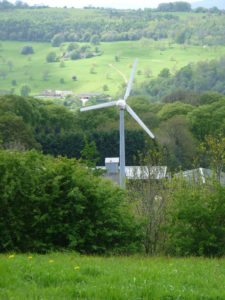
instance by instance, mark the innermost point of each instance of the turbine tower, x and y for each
(121, 103)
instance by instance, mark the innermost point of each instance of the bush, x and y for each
(196, 223)
(27, 50)
(51, 57)
(55, 203)
(75, 55)
(57, 40)
(25, 90)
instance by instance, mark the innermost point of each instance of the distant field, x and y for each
(152, 56)
(69, 276)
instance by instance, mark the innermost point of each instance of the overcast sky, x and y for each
(103, 3)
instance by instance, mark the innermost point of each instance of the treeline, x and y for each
(27, 123)
(175, 7)
(73, 25)
(187, 82)
(5, 5)
(180, 127)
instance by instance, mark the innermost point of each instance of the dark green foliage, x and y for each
(208, 119)
(27, 50)
(58, 131)
(15, 134)
(95, 40)
(198, 78)
(72, 46)
(51, 57)
(57, 40)
(179, 6)
(48, 204)
(196, 223)
(75, 55)
(25, 90)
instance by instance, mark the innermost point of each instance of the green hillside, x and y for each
(33, 70)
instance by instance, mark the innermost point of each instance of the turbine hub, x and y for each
(121, 104)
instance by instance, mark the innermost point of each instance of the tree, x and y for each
(51, 57)
(148, 197)
(27, 50)
(105, 88)
(148, 72)
(164, 73)
(57, 40)
(16, 134)
(75, 55)
(62, 64)
(25, 90)
(117, 59)
(14, 82)
(95, 40)
(72, 46)
(213, 148)
(179, 145)
(89, 154)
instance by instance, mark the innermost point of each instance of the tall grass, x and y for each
(71, 276)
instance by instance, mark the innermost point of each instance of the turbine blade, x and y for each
(129, 85)
(98, 106)
(135, 116)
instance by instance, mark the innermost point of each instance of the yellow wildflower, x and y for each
(30, 257)
(77, 268)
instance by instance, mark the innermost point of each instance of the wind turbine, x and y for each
(121, 103)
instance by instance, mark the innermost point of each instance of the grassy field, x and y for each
(152, 56)
(70, 276)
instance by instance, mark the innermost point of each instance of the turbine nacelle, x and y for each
(121, 104)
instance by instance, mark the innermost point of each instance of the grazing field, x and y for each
(70, 276)
(17, 70)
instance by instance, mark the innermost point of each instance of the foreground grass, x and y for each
(69, 276)
(152, 55)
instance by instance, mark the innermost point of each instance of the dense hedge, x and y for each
(55, 203)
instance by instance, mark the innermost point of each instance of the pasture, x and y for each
(71, 276)
(17, 70)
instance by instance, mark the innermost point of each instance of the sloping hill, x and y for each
(209, 3)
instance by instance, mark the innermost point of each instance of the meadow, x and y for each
(72, 276)
(153, 56)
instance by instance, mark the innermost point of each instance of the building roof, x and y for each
(141, 172)
(200, 174)
(146, 172)
(109, 160)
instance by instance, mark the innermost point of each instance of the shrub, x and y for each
(75, 55)
(51, 57)
(56, 203)
(27, 50)
(196, 222)
(57, 40)
(25, 90)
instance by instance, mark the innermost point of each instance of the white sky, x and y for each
(103, 3)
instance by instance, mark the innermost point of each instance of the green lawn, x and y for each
(152, 55)
(70, 276)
